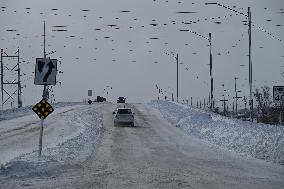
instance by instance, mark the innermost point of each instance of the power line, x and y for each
(246, 15)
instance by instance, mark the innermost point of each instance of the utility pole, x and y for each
(280, 114)
(224, 104)
(250, 66)
(177, 75)
(2, 94)
(250, 61)
(209, 105)
(236, 97)
(245, 102)
(204, 103)
(211, 77)
(190, 101)
(227, 111)
(19, 82)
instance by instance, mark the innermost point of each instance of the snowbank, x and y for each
(258, 140)
(71, 134)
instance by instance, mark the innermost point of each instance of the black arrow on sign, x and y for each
(50, 67)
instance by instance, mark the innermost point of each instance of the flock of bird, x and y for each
(101, 33)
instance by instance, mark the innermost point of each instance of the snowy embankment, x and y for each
(257, 140)
(71, 133)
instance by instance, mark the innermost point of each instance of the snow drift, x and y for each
(71, 134)
(258, 140)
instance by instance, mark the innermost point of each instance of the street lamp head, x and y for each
(210, 3)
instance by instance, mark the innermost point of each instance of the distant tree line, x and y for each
(265, 111)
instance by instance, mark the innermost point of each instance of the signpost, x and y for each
(90, 93)
(42, 109)
(278, 98)
(45, 74)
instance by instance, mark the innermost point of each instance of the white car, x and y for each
(124, 116)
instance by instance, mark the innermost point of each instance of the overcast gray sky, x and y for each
(129, 60)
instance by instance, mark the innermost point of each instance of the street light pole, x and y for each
(211, 66)
(211, 78)
(177, 75)
(250, 66)
(236, 98)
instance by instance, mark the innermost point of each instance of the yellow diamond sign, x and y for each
(43, 112)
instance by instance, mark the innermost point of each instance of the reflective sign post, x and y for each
(280, 116)
(45, 74)
(40, 138)
(41, 126)
(42, 109)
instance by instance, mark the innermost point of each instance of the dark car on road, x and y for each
(121, 100)
(124, 116)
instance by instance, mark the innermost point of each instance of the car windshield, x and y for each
(124, 111)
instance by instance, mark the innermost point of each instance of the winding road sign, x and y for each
(45, 71)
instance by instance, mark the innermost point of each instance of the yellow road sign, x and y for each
(43, 109)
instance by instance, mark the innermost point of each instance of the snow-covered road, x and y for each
(153, 154)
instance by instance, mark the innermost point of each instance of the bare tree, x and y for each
(264, 101)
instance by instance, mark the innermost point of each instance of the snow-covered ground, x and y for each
(68, 134)
(83, 149)
(257, 140)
